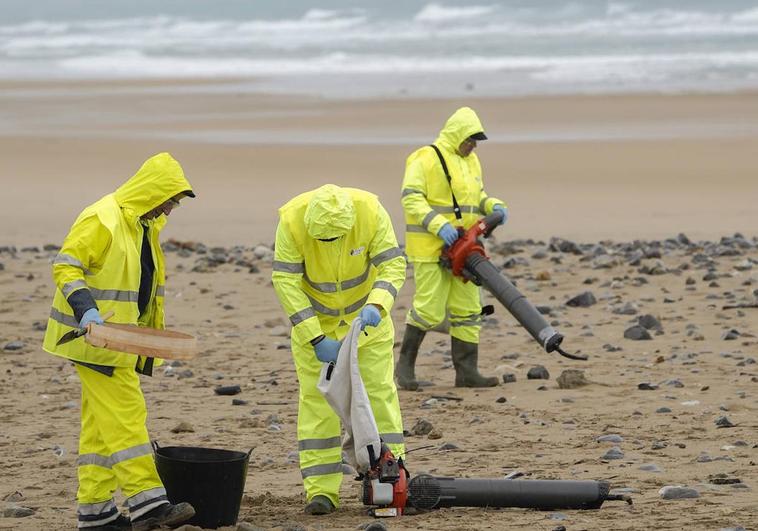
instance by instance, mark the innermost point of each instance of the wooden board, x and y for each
(143, 341)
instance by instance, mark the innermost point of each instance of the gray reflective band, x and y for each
(416, 317)
(89, 509)
(356, 305)
(466, 209)
(428, 218)
(118, 457)
(383, 284)
(319, 444)
(72, 286)
(62, 318)
(483, 205)
(67, 259)
(160, 291)
(302, 315)
(415, 228)
(468, 322)
(409, 191)
(320, 308)
(324, 287)
(392, 438)
(389, 254)
(288, 267)
(321, 470)
(477, 315)
(114, 295)
(357, 281)
(146, 496)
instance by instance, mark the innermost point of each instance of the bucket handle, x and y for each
(155, 446)
(248, 454)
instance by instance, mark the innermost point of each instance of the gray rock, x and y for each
(538, 372)
(611, 437)
(704, 458)
(628, 308)
(651, 467)
(659, 445)
(583, 300)
(677, 492)
(613, 453)
(449, 446)
(637, 333)
(663, 409)
(422, 427)
(572, 379)
(647, 386)
(649, 322)
(14, 345)
(509, 377)
(16, 511)
(724, 422)
(730, 335)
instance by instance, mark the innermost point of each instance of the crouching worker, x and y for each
(337, 258)
(111, 260)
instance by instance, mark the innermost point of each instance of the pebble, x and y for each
(583, 300)
(677, 492)
(449, 446)
(647, 386)
(724, 422)
(625, 309)
(730, 335)
(571, 379)
(538, 372)
(14, 345)
(239, 402)
(501, 400)
(611, 437)
(649, 322)
(651, 467)
(228, 390)
(16, 511)
(509, 377)
(663, 409)
(659, 445)
(613, 453)
(183, 427)
(422, 427)
(637, 333)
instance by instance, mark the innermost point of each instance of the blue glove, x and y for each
(370, 316)
(327, 350)
(504, 210)
(448, 234)
(90, 316)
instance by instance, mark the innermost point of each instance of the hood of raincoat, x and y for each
(462, 124)
(330, 213)
(159, 179)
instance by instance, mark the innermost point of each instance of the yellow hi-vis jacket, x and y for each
(102, 253)
(426, 195)
(323, 285)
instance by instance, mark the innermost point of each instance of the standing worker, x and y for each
(337, 258)
(442, 192)
(111, 260)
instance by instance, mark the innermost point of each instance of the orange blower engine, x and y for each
(466, 258)
(385, 486)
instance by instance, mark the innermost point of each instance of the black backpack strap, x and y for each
(456, 208)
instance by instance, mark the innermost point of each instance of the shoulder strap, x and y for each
(456, 208)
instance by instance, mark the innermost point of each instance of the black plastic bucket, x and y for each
(210, 479)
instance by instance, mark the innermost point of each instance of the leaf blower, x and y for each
(467, 259)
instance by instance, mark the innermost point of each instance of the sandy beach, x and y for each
(600, 171)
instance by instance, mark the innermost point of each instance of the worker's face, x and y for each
(466, 147)
(164, 208)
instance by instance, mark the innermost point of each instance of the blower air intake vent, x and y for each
(424, 492)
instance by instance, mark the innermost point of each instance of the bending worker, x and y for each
(111, 260)
(337, 258)
(442, 193)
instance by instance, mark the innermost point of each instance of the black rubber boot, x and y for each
(465, 360)
(405, 370)
(164, 515)
(319, 505)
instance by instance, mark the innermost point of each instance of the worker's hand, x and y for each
(370, 316)
(448, 234)
(327, 350)
(90, 316)
(504, 210)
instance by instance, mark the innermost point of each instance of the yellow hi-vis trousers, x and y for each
(114, 448)
(440, 294)
(318, 426)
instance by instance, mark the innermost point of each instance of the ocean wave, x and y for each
(439, 13)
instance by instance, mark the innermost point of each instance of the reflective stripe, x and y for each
(383, 284)
(321, 470)
(319, 444)
(415, 228)
(67, 259)
(416, 317)
(428, 218)
(389, 254)
(62, 318)
(114, 295)
(392, 438)
(331, 287)
(409, 191)
(357, 281)
(320, 308)
(69, 287)
(116, 458)
(95, 508)
(288, 267)
(466, 209)
(302, 315)
(160, 291)
(356, 305)
(482, 205)
(468, 322)
(107, 514)
(146, 501)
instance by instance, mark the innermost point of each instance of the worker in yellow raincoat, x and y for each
(443, 192)
(337, 258)
(111, 260)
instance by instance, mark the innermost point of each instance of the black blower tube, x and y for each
(514, 301)
(429, 492)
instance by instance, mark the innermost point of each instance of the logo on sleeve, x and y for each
(357, 251)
